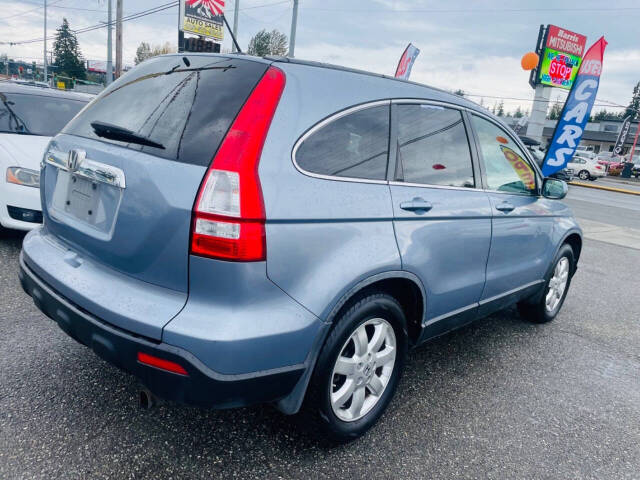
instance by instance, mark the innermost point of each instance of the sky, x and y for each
(474, 45)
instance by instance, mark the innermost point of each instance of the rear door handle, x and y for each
(505, 207)
(416, 205)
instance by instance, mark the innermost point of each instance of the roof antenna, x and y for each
(235, 42)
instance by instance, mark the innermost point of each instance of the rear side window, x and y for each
(355, 146)
(433, 147)
(186, 109)
(36, 114)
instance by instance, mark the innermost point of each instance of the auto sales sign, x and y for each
(203, 17)
(576, 111)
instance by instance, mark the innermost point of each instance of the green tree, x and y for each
(518, 113)
(459, 92)
(555, 111)
(500, 111)
(142, 53)
(66, 52)
(268, 43)
(634, 105)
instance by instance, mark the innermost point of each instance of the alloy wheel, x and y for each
(557, 284)
(363, 369)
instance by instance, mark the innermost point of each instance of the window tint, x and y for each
(187, 109)
(356, 145)
(433, 147)
(505, 164)
(36, 114)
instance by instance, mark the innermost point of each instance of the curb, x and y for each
(600, 187)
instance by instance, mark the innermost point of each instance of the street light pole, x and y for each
(109, 77)
(294, 21)
(236, 8)
(45, 40)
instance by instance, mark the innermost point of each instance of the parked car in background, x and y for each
(234, 230)
(607, 159)
(31, 83)
(29, 117)
(636, 170)
(585, 169)
(583, 152)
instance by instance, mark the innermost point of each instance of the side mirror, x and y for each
(554, 189)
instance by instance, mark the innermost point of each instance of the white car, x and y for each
(588, 154)
(29, 117)
(585, 168)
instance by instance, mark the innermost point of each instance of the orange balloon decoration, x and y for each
(529, 61)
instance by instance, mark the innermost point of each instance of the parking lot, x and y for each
(501, 398)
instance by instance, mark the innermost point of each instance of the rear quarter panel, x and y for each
(323, 236)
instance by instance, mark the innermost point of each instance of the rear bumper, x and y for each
(202, 386)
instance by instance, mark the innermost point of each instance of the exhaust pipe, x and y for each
(147, 400)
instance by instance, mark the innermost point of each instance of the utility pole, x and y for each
(294, 21)
(45, 40)
(118, 38)
(109, 75)
(236, 7)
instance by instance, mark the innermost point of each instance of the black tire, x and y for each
(317, 409)
(583, 175)
(534, 309)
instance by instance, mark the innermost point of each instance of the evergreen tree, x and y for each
(634, 106)
(67, 56)
(500, 112)
(518, 113)
(268, 43)
(555, 111)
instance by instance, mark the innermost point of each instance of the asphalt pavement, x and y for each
(501, 398)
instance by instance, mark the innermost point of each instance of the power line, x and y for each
(132, 16)
(91, 28)
(475, 10)
(29, 11)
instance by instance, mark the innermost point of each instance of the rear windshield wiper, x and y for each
(113, 132)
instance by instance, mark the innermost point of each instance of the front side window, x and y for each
(355, 145)
(506, 167)
(433, 147)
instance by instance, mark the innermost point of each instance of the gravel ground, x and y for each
(501, 398)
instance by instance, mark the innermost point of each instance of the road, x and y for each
(501, 398)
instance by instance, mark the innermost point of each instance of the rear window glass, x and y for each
(356, 146)
(36, 114)
(186, 109)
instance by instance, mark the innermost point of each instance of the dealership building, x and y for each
(601, 136)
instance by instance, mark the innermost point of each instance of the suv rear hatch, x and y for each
(120, 181)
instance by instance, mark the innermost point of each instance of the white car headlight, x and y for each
(23, 176)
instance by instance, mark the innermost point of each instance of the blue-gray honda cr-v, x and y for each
(234, 230)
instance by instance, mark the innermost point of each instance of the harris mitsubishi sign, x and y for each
(560, 57)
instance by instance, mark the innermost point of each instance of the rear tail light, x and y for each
(228, 217)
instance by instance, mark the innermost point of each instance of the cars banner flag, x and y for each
(576, 110)
(406, 62)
